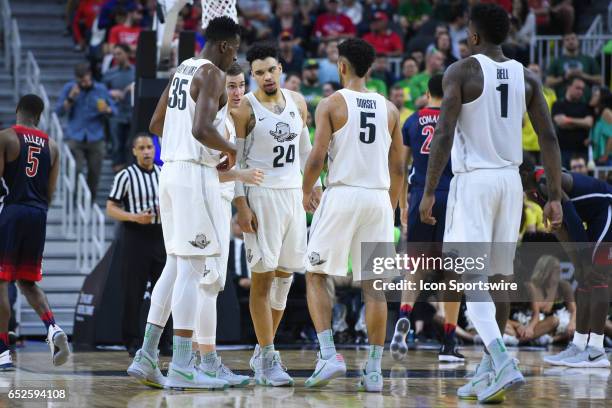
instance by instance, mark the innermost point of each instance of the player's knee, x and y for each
(26, 286)
(279, 292)
(261, 283)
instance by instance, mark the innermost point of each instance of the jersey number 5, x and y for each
(428, 132)
(178, 98)
(369, 136)
(32, 167)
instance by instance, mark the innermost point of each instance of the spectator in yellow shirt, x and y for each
(533, 218)
(530, 139)
(397, 98)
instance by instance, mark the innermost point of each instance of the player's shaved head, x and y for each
(31, 106)
(490, 22)
(359, 54)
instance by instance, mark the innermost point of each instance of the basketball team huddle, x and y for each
(223, 148)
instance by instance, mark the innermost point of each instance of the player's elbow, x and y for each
(156, 126)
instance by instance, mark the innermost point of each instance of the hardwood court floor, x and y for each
(98, 379)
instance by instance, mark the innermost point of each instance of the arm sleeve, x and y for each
(119, 188)
(240, 164)
(305, 149)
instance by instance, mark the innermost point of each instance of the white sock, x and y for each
(161, 297)
(482, 315)
(206, 317)
(580, 340)
(596, 340)
(185, 292)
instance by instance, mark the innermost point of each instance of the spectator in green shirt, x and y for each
(376, 85)
(434, 62)
(311, 89)
(414, 13)
(409, 69)
(571, 64)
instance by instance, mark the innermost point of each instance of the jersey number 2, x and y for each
(32, 167)
(280, 153)
(503, 90)
(178, 98)
(428, 132)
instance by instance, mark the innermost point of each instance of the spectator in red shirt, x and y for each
(84, 17)
(384, 41)
(127, 30)
(333, 24)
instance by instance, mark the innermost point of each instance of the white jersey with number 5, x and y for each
(178, 143)
(359, 151)
(489, 129)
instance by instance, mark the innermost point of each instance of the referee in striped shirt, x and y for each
(133, 200)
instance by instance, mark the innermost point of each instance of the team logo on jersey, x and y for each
(200, 241)
(292, 114)
(315, 259)
(283, 132)
(249, 256)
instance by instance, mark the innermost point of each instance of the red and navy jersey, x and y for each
(26, 179)
(590, 196)
(418, 132)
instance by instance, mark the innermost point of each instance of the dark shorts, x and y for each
(420, 232)
(599, 231)
(22, 241)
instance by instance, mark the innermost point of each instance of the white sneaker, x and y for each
(591, 357)
(398, 345)
(6, 362)
(255, 364)
(221, 371)
(327, 370)
(273, 371)
(190, 378)
(482, 379)
(571, 351)
(371, 382)
(58, 343)
(145, 368)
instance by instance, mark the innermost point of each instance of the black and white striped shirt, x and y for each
(137, 190)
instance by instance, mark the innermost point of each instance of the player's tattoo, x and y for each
(251, 124)
(277, 109)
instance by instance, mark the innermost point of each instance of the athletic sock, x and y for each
(208, 360)
(326, 344)
(4, 342)
(449, 332)
(405, 311)
(498, 353)
(374, 359)
(151, 339)
(580, 340)
(48, 319)
(265, 350)
(596, 340)
(181, 351)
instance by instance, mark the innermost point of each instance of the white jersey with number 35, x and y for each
(489, 129)
(178, 143)
(359, 151)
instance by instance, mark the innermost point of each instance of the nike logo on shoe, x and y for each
(188, 377)
(594, 358)
(153, 364)
(319, 370)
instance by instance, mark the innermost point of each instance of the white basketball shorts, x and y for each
(190, 206)
(346, 217)
(280, 240)
(483, 214)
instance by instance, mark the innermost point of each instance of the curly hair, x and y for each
(261, 51)
(222, 29)
(359, 54)
(491, 21)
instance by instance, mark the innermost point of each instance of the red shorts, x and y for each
(22, 241)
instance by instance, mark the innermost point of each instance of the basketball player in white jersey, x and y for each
(190, 116)
(216, 267)
(485, 97)
(271, 135)
(360, 132)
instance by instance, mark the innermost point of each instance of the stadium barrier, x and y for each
(5, 10)
(16, 51)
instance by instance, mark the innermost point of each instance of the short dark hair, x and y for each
(234, 70)
(408, 59)
(578, 156)
(121, 12)
(31, 105)
(261, 51)
(574, 78)
(434, 85)
(82, 69)
(222, 29)
(124, 47)
(359, 54)
(335, 85)
(292, 74)
(139, 135)
(491, 21)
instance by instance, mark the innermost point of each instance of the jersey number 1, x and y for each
(503, 90)
(178, 98)
(31, 169)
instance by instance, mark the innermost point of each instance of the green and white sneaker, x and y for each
(398, 346)
(481, 379)
(190, 378)
(273, 371)
(571, 351)
(222, 372)
(327, 370)
(145, 368)
(506, 378)
(371, 382)
(591, 357)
